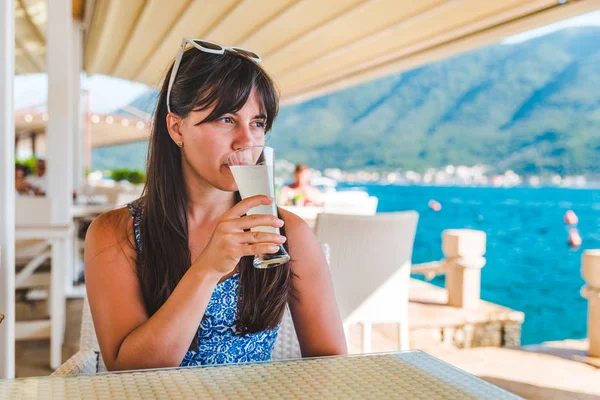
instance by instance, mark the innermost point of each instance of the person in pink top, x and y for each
(300, 192)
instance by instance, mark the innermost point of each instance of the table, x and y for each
(90, 210)
(410, 375)
(81, 213)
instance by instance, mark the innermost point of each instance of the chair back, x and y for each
(370, 263)
(87, 337)
(33, 211)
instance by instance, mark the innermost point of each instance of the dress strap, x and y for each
(135, 209)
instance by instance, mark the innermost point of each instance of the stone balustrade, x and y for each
(463, 259)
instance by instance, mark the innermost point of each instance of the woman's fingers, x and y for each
(259, 248)
(252, 221)
(259, 237)
(245, 205)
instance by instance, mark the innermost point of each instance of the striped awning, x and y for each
(311, 47)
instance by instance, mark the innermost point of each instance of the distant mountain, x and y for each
(533, 107)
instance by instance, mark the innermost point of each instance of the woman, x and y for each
(170, 279)
(22, 185)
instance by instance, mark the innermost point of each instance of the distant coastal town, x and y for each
(450, 175)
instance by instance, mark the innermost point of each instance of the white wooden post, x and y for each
(61, 77)
(7, 189)
(78, 154)
(78, 130)
(590, 270)
(463, 250)
(60, 108)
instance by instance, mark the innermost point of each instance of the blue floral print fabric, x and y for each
(218, 340)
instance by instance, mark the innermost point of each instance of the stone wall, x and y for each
(468, 335)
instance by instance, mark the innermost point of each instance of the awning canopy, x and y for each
(310, 46)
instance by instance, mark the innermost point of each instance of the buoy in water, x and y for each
(574, 238)
(571, 218)
(434, 205)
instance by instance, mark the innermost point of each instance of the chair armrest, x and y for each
(84, 362)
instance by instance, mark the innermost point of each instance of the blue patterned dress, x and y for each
(218, 342)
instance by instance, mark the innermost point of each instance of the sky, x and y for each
(106, 93)
(32, 90)
(591, 19)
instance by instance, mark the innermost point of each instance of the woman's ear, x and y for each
(174, 126)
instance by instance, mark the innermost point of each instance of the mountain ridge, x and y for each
(533, 107)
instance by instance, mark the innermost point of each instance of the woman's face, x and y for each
(206, 146)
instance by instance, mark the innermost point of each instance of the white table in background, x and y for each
(81, 212)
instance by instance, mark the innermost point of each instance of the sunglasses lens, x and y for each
(246, 53)
(208, 45)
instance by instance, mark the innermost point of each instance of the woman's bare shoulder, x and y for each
(110, 223)
(110, 230)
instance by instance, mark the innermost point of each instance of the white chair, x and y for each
(32, 253)
(38, 240)
(370, 267)
(88, 360)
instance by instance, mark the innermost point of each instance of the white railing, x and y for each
(590, 271)
(463, 259)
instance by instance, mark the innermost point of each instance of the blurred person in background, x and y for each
(38, 181)
(22, 185)
(300, 192)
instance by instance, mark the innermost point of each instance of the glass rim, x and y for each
(251, 148)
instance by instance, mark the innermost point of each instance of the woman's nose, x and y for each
(243, 137)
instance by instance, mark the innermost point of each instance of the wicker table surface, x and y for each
(410, 375)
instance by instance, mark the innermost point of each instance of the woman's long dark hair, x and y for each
(204, 80)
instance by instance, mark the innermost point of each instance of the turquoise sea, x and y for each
(530, 266)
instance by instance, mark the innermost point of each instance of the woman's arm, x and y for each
(314, 309)
(128, 338)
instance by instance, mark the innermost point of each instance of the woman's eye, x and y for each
(259, 124)
(226, 120)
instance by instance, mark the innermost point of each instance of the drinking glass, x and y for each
(252, 169)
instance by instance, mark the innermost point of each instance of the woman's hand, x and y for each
(229, 242)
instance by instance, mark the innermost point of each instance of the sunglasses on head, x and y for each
(207, 47)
